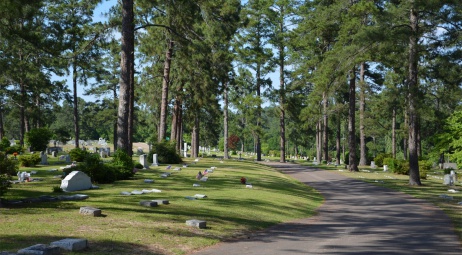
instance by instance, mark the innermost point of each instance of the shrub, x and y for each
(401, 167)
(378, 160)
(38, 138)
(424, 167)
(123, 165)
(8, 166)
(166, 153)
(4, 144)
(78, 154)
(275, 153)
(4, 184)
(57, 189)
(29, 160)
(15, 148)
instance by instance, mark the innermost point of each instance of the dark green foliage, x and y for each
(120, 169)
(402, 167)
(138, 166)
(38, 138)
(378, 160)
(424, 167)
(121, 158)
(166, 153)
(123, 164)
(275, 153)
(4, 144)
(4, 184)
(29, 160)
(15, 148)
(78, 154)
(7, 166)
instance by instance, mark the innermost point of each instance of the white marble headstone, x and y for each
(76, 180)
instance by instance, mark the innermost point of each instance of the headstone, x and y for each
(185, 150)
(154, 160)
(87, 210)
(76, 180)
(385, 168)
(102, 153)
(40, 249)
(373, 166)
(44, 159)
(148, 203)
(108, 151)
(71, 244)
(161, 201)
(68, 158)
(144, 161)
(148, 181)
(448, 179)
(200, 196)
(197, 223)
(54, 154)
(450, 166)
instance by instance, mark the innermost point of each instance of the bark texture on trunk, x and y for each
(414, 175)
(362, 109)
(393, 133)
(75, 101)
(165, 85)
(225, 120)
(126, 60)
(325, 130)
(352, 165)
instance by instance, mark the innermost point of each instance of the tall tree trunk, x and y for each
(259, 110)
(175, 118)
(319, 141)
(282, 99)
(76, 109)
(362, 108)
(393, 133)
(414, 176)
(131, 112)
(196, 131)
(22, 113)
(126, 59)
(337, 140)
(325, 127)
(2, 130)
(225, 120)
(114, 132)
(165, 85)
(351, 122)
(405, 140)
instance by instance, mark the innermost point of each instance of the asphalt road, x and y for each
(356, 218)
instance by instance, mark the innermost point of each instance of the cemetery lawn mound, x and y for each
(230, 209)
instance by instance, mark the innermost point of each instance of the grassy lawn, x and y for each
(430, 190)
(230, 209)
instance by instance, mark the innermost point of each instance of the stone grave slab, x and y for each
(154, 160)
(148, 203)
(196, 185)
(190, 198)
(40, 249)
(87, 210)
(144, 161)
(76, 180)
(204, 179)
(161, 201)
(71, 244)
(148, 181)
(200, 196)
(197, 223)
(125, 193)
(177, 169)
(137, 192)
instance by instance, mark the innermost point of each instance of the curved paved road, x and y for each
(356, 218)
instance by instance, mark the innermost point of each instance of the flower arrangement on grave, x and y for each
(15, 154)
(243, 180)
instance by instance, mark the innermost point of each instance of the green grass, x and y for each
(230, 209)
(431, 188)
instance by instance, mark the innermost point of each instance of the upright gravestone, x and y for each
(54, 154)
(68, 158)
(185, 150)
(76, 180)
(44, 159)
(144, 161)
(108, 151)
(154, 160)
(373, 166)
